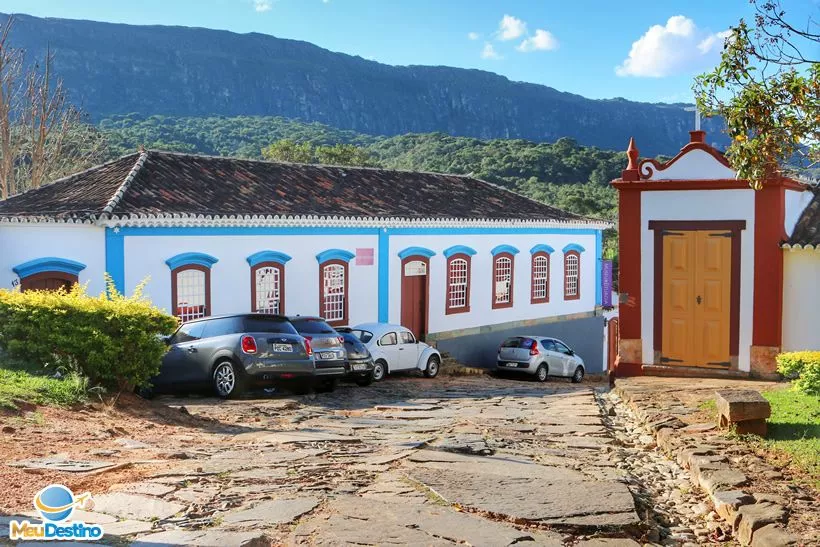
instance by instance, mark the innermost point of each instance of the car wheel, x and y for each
(541, 373)
(365, 381)
(379, 371)
(578, 376)
(433, 366)
(227, 382)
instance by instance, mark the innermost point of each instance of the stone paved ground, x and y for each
(409, 461)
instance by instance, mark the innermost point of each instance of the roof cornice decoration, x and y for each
(258, 221)
(115, 199)
(798, 247)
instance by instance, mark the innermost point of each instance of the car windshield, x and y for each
(312, 326)
(363, 335)
(518, 342)
(268, 324)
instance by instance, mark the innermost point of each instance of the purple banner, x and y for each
(606, 283)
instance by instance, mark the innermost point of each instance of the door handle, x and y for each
(698, 299)
(192, 349)
(401, 349)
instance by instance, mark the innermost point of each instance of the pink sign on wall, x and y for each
(364, 257)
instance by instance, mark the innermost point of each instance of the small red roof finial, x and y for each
(633, 154)
(631, 173)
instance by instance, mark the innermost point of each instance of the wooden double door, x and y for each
(696, 311)
(414, 290)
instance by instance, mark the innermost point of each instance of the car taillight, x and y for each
(308, 349)
(534, 348)
(248, 344)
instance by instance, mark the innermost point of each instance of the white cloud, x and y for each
(511, 28)
(473, 35)
(489, 52)
(677, 47)
(262, 5)
(543, 40)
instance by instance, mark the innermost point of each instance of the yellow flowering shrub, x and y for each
(112, 339)
(804, 366)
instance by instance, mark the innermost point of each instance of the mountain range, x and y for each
(115, 69)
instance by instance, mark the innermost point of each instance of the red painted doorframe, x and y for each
(426, 261)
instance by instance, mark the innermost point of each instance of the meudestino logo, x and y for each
(55, 504)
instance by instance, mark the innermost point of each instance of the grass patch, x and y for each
(794, 428)
(709, 405)
(41, 390)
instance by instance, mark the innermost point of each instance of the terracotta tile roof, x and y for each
(164, 183)
(807, 230)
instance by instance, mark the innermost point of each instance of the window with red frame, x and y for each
(540, 278)
(572, 275)
(503, 265)
(268, 288)
(191, 292)
(333, 288)
(458, 284)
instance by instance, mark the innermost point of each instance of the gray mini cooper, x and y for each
(233, 352)
(541, 356)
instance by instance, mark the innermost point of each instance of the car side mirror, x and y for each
(571, 352)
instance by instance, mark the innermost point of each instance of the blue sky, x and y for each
(645, 50)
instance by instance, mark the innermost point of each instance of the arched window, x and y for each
(191, 285)
(572, 275)
(48, 274)
(503, 264)
(334, 292)
(334, 286)
(458, 284)
(268, 288)
(457, 299)
(540, 278)
(268, 281)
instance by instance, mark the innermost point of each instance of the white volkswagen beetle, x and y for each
(395, 348)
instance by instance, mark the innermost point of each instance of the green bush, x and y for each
(111, 339)
(804, 366)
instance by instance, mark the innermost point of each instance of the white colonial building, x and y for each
(458, 260)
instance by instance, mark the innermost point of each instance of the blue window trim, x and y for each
(573, 247)
(184, 259)
(541, 248)
(416, 251)
(504, 249)
(384, 276)
(115, 258)
(458, 249)
(268, 256)
(334, 254)
(48, 264)
(599, 255)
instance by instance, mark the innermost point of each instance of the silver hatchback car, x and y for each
(541, 356)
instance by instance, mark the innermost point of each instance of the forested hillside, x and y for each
(114, 69)
(564, 173)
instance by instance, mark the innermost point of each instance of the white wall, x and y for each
(698, 205)
(79, 242)
(230, 277)
(481, 283)
(796, 202)
(801, 294)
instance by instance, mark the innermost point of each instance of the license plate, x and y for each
(283, 348)
(327, 355)
(514, 365)
(359, 367)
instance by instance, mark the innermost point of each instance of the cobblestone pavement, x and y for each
(409, 461)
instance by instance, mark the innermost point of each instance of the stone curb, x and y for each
(756, 519)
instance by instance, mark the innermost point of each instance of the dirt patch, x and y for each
(89, 433)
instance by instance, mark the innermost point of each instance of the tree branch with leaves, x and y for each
(42, 135)
(767, 88)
